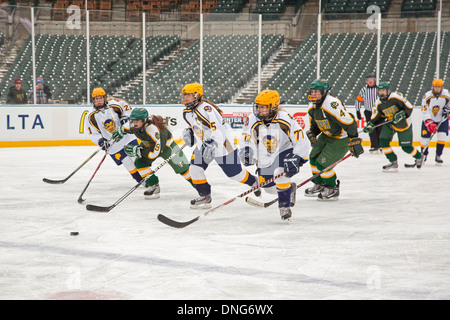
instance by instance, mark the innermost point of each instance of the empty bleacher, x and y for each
(61, 60)
(407, 62)
(229, 62)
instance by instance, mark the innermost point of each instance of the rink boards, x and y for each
(65, 125)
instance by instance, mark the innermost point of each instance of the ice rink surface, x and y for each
(387, 237)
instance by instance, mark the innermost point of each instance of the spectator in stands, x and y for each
(43, 93)
(16, 94)
(368, 96)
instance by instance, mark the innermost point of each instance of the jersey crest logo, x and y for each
(208, 109)
(435, 109)
(109, 125)
(271, 143)
(157, 135)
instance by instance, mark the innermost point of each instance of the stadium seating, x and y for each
(229, 6)
(270, 9)
(229, 62)
(61, 60)
(418, 8)
(354, 9)
(406, 62)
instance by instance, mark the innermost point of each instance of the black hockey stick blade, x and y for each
(54, 181)
(175, 224)
(92, 207)
(80, 200)
(257, 203)
(410, 165)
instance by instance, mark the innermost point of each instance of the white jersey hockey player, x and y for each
(208, 131)
(276, 143)
(103, 119)
(435, 111)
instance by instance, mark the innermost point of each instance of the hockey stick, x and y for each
(91, 207)
(177, 224)
(378, 125)
(80, 199)
(70, 175)
(256, 203)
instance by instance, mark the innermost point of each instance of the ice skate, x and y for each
(314, 190)
(391, 167)
(373, 150)
(203, 202)
(419, 162)
(152, 192)
(330, 193)
(286, 214)
(293, 193)
(438, 160)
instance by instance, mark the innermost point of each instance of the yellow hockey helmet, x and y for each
(192, 88)
(98, 92)
(269, 98)
(437, 83)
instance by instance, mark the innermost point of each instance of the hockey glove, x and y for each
(246, 156)
(103, 143)
(355, 147)
(124, 120)
(292, 164)
(369, 127)
(431, 126)
(119, 133)
(312, 138)
(208, 150)
(133, 151)
(358, 115)
(188, 137)
(399, 116)
(445, 112)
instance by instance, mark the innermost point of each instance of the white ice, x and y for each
(387, 237)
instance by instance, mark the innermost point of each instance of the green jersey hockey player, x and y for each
(393, 107)
(156, 141)
(333, 131)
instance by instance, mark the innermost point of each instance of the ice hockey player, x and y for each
(156, 141)
(275, 143)
(333, 131)
(105, 116)
(392, 106)
(435, 111)
(213, 141)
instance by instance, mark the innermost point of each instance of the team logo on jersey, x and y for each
(157, 135)
(271, 143)
(435, 110)
(198, 132)
(208, 109)
(109, 125)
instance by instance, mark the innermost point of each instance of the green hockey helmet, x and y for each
(383, 86)
(319, 84)
(139, 114)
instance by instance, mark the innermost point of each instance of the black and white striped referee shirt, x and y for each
(367, 96)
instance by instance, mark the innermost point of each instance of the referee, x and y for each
(368, 96)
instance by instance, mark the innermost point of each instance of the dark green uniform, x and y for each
(333, 125)
(157, 144)
(385, 111)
